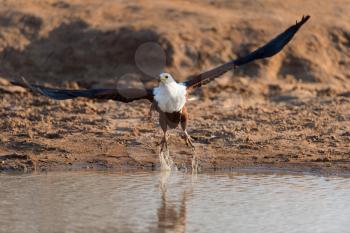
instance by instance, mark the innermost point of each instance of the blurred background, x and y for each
(90, 43)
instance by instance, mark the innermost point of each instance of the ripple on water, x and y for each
(173, 201)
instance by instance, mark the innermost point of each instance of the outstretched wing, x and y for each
(268, 50)
(123, 95)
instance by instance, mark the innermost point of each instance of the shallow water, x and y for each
(173, 202)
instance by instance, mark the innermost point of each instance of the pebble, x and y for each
(4, 82)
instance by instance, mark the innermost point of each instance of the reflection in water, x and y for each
(173, 202)
(170, 217)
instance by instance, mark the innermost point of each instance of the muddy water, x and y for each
(173, 202)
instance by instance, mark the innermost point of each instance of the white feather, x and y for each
(170, 96)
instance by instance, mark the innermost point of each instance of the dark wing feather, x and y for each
(268, 50)
(123, 95)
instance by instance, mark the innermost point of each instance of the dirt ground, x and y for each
(289, 112)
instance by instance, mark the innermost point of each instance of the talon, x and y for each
(189, 141)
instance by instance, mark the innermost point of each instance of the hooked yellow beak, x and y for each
(164, 76)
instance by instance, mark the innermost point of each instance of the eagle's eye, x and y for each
(166, 76)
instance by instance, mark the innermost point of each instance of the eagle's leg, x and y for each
(164, 142)
(184, 119)
(164, 126)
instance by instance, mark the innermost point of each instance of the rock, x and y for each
(12, 89)
(4, 82)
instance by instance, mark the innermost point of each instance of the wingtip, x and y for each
(25, 81)
(27, 84)
(32, 87)
(304, 19)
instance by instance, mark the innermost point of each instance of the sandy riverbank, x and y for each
(290, 112)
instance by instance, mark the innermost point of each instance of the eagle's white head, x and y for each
(166, 78)
(170, 95)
